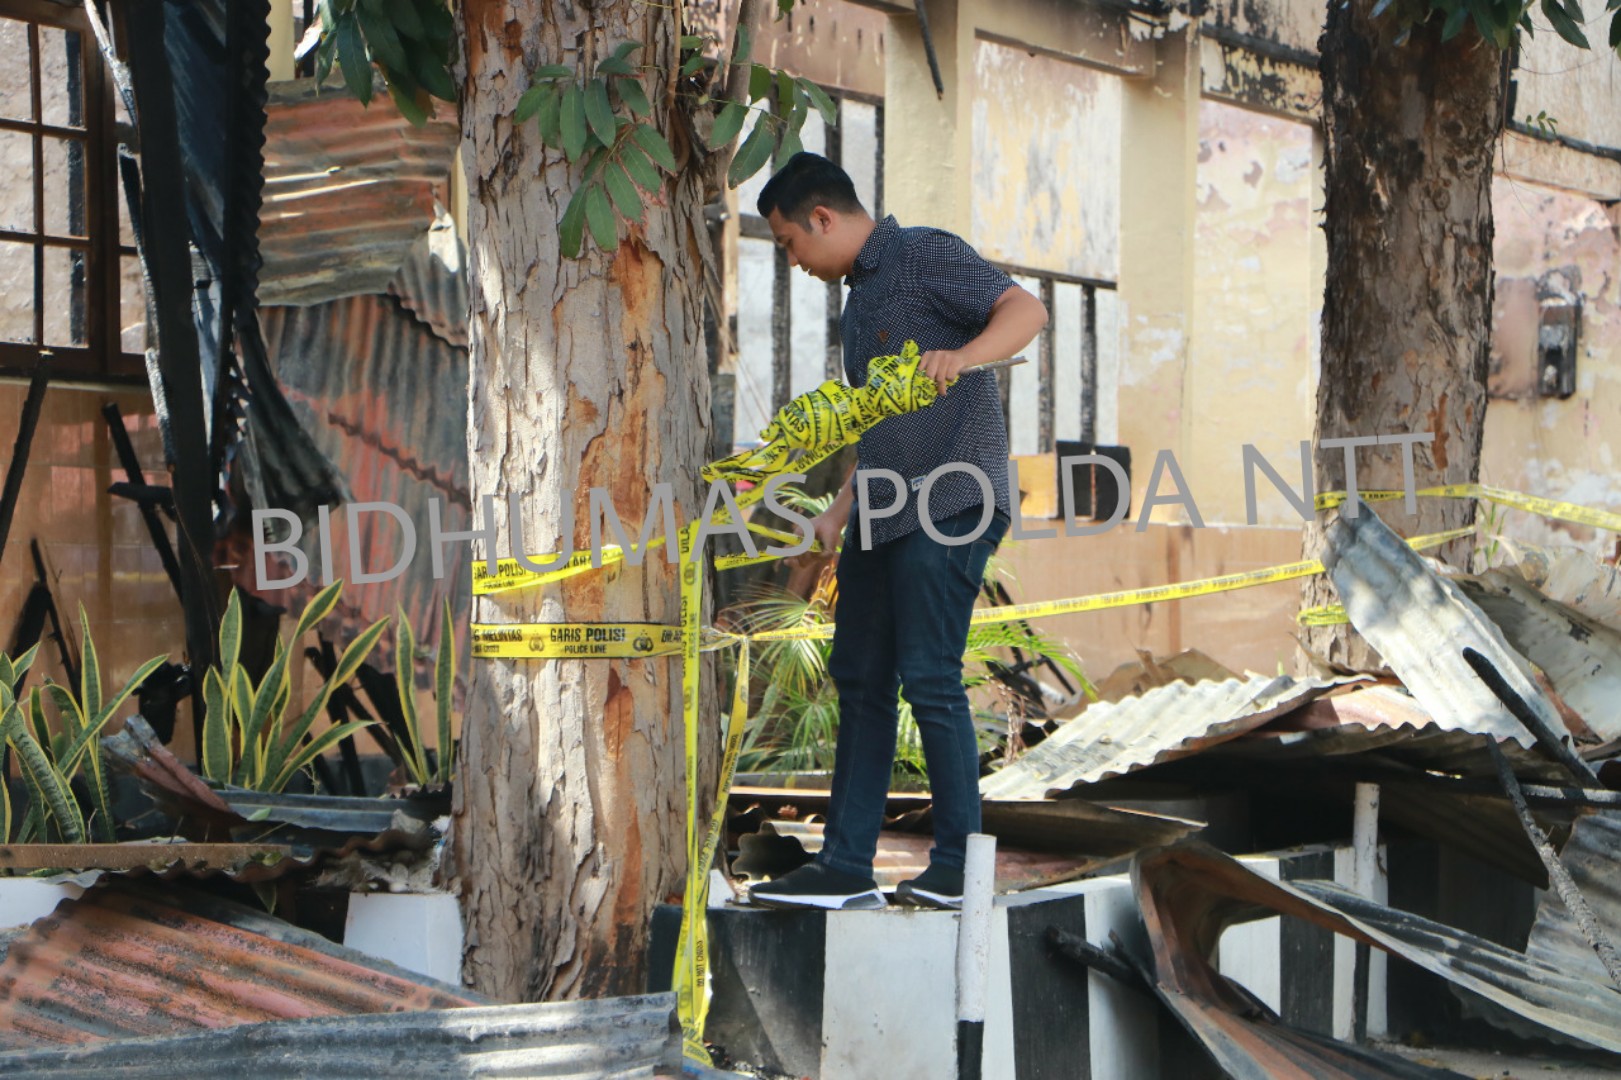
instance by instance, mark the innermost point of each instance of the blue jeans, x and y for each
(901, 625)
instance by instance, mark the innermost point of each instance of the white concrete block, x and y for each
(22, 900)
(1251, 954)
(1123, 1024)
(421, 932)
(1345, 957)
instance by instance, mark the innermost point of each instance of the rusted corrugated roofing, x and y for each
(1112, 739)
(383, 397)
(605, 1039)
(1580, 656)
(432, 283)
(122, 961)
(348, 190)
(1422, 624)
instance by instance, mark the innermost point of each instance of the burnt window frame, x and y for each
(100, 359)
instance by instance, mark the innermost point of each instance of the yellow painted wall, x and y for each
(1559, 449)
(1257, 296)
(1046, 163)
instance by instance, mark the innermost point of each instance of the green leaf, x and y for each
(786, 98)
(824, 104)
(784, 7)
(599, 216)
(406, 20)
(572, 122)
(759, 82)
(598, 112)
(745, 45)
(430, 71)
(571, 229)
(405, 649)
(19, 667)
(1615, 30)
(67, 708)
(231, 632)
(260, 814)
(692, 64)
(319, 607)
(640, 168)
(551, 112)
(651, 141)
(216, 728)
(634, 97)
(788, 145)
(1454, 24)
(691, 41)
(323, 742)
(1564, 25)
(96, 723)
(754, 152)
(5, 809)
(381, 40)
(727, 124)
(551, 71)
(89, 671)
(625, 48)
(45, 779)
(529, 103)
(626, 199)
(412, 103)
(351, 659)
(614, 65)
(444, 691)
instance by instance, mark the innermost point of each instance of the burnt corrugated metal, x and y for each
(1573, 578)
(432, 283)
(385, 399)
(1189, 894)
(1112, 739)
(1593, 857)
(1580, 656)
(1421, 624)
(121, 962)
(348, 189)
(606, 1039)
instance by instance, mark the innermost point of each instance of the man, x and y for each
(904, 596)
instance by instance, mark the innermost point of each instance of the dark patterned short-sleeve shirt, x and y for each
(928, 286)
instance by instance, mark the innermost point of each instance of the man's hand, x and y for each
(943, 366)
(828, 528)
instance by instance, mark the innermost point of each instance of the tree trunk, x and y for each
(1409, 135)
(570, 812)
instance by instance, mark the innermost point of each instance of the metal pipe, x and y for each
(974, 953)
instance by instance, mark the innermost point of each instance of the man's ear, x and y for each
(822, 219)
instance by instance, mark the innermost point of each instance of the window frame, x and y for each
(100, 358)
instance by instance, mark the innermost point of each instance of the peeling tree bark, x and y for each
(570, 814)
(1409, 135)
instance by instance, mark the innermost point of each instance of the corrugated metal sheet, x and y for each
(1166, 723)
(1421, 624)
(1190, 893)
(1593, 857)
(348, 190)
(121, 962)
(605, 1039)
(383, 397)
(1580, 656)
(1571, 577)
(432, 283)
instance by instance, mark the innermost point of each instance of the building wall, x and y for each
(1257, 298)
(1557, 449)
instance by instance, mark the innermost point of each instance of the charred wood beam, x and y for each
(149, 514)
(1551, 744)
(167, 258)
(1072, 946)
(64, 648)
(928, 48)
(32, 404)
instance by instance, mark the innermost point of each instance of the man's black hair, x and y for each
(806, 182)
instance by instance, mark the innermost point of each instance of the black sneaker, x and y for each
(816, 886)
(936, 887)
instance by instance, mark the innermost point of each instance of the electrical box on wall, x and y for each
(1096, 490)
(1559, 323)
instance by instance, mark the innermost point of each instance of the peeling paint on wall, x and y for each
(1046, 163)
(1558, 449)
(1256, 308)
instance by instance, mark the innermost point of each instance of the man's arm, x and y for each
(1016, 318)
(828, 526)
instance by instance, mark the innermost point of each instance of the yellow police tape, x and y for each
(803, 433)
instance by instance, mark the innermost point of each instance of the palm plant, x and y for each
(52, 757)
(246, 738)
